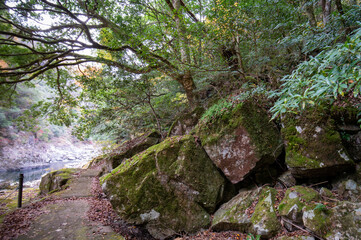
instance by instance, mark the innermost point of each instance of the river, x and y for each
(32, 176)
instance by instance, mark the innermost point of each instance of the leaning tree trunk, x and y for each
(186, 80)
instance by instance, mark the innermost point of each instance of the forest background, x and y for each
(115, 69)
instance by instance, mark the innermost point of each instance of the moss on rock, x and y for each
(56, 180)
(240, 140)
(345, 222)
(232, 215)
(316, 219)
(264, 219)
(296, 198)
(185, 123)
(313, 146)
(170, 187)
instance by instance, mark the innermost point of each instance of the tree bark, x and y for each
(310, 15)
(186, 78)
(326, 10)
(339, 7)
(188, 85)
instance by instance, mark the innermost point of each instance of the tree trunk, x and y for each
(339, 7)
(186, 78)
(310, 15)
(326, 10)
(188, 85)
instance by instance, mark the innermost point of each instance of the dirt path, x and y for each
(67, 218)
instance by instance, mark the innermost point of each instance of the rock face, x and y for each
(264, 219)
(171, 187)
(352, 143)
(185, 123)
(236, 215)
(345, 222)
(292, 205)
(130, 148)
(56, 180)
(240, 141)
(314, 148)
(232, 215)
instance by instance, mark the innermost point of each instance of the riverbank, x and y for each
(79, 212)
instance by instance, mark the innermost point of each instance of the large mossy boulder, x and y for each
(241, 140)
(313, 146)
(131, 148)
(56, 180)
(237, 214)
(171, 187)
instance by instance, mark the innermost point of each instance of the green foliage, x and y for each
(333, 74)
(118, 105)
(250, 236)
(148, 46)
(217, 110)
(320, 207)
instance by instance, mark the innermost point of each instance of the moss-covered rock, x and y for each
(313, 146)
(351, 139)
(296, 198)
(295, 238)
(170, 187)
(131, 148)
(185, 123)
(240, 140)
(237, 214)
(345, 222)
(348, 189)
(56, 180)
(264, 219)
(317, 218)
(286, 179)
(232, 215)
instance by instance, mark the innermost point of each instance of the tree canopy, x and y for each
(138, 63)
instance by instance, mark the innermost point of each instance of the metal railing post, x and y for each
(20, 196)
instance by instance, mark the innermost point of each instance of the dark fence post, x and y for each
(20, 196)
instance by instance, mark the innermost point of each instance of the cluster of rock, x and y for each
(207, 175)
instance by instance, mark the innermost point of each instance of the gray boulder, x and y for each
(232, 215)
(185, 123)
